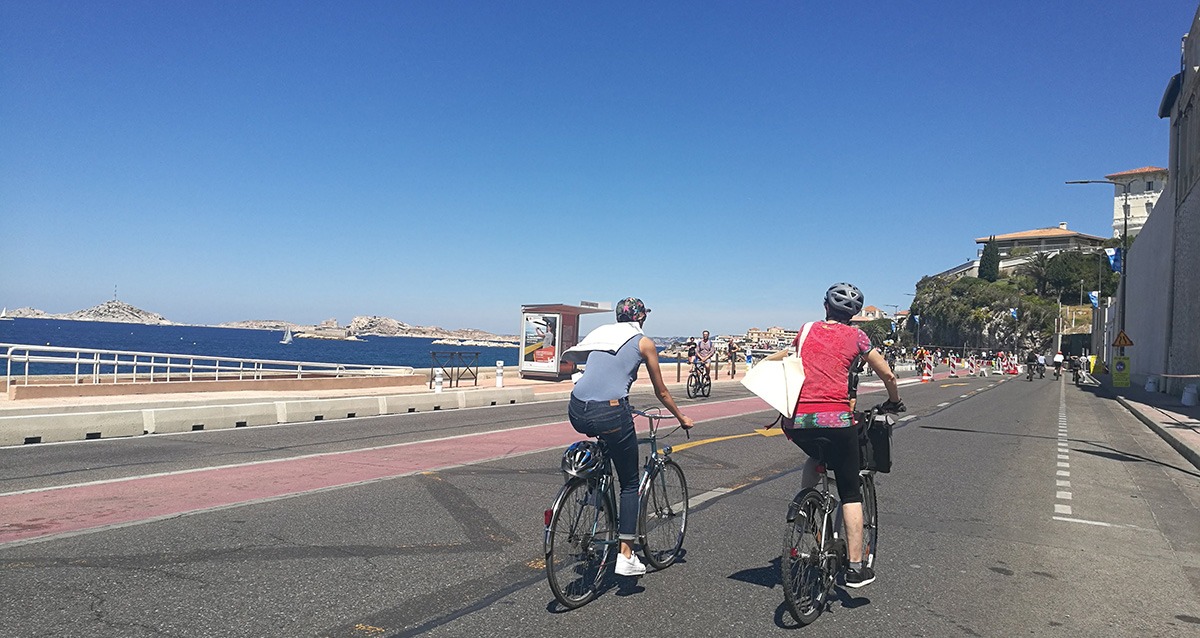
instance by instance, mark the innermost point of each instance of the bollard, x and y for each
(499, 374)
(1152, 384)
(437, 380)
(1189, 394)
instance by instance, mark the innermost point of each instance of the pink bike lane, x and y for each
(72, 509)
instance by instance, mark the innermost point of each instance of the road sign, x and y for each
(1120, 372)
(1122, 341)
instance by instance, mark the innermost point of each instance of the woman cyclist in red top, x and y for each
(824, 414)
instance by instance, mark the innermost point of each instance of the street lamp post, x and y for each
(1124, 246)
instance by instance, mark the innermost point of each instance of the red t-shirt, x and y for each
(828, 352)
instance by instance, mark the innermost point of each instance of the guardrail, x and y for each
(85, 365)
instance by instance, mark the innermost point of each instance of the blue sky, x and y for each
(444, 162)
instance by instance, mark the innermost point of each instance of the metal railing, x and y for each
(85, 365)
(455, 366)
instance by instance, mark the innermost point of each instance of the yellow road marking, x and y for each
(716, 439)
(951, 385)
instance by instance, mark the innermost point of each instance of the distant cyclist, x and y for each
(1058, 364)
(1030, 365)
(600, 407)
(823, 413)
(705, 350)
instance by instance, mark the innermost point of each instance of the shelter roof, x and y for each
(567, 308)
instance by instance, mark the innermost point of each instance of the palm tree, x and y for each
(1037, 268)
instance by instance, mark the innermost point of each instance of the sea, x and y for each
(242, 343)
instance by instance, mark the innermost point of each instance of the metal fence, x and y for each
(84, 365)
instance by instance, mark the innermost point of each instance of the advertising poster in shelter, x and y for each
(540, 341)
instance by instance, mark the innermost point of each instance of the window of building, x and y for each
(1149, 185)
(1149, 208)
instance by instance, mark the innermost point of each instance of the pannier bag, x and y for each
(875, 443)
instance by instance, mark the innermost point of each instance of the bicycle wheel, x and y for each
(803, 565)
(580, 538)
(693, 385)
(870, 520)
(706, 386)
(663, 514)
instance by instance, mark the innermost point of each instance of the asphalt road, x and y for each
(976, 537)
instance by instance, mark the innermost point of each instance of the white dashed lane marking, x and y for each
(1063, 457)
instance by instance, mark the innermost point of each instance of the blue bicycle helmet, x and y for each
(583, 459)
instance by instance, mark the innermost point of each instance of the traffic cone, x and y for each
(927, 373)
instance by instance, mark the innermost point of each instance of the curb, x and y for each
(1193, 456)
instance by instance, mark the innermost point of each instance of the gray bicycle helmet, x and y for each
(583, 459)
(845, 297)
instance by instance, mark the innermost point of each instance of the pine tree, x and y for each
(989, 261)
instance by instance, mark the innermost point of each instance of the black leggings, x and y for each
(839, 448)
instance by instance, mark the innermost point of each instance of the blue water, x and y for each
(234, 343)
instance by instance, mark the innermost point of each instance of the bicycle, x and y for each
(699, 383)
(581, 527)
(815, 554)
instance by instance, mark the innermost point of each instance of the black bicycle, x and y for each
(581, 527)
(815, 553)
(699, 383)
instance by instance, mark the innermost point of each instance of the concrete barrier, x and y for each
(496, 396)
(404, 403)
(322, 409)
(52, 428)
(208, 417)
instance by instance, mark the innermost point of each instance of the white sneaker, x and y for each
(629, 566)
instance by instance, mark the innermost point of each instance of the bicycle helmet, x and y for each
(583, 459)
(845, 297)
(631, 309)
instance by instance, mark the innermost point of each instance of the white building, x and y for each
(1145, 185)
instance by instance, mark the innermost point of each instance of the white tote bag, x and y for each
(778, 382)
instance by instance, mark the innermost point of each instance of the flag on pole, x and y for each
(1013, 312)
(1114, 258)
(917, 319)
(1095, 297)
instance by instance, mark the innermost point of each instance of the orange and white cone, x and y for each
(927, 373)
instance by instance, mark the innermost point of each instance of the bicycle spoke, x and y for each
(579, 545)
(663, 515)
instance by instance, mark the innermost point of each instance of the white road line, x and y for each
(909, 417)
(1096, 523)
(707, 496)
(944, 404)
(1064, 457)
(1062, 483)
(1062, 509)
(1066, 496)
(1062, 473)
(1061, 464)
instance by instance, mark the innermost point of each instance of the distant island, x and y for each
(120, 312)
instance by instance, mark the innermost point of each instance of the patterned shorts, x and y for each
(824, 420)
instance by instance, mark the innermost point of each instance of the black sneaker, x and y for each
(859, 577)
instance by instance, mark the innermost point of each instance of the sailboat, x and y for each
(287, 337)
(4, 315)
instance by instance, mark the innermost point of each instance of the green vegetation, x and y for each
(976, 312)
(989, 261)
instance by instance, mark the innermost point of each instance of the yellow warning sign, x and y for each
(1122, 341)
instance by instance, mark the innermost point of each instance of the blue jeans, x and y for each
(613, 424)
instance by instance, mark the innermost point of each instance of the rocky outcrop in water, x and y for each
(116, 311)
(121, 312)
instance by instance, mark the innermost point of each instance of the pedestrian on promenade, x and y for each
(731, 351)
(691, 350)
(600, 407)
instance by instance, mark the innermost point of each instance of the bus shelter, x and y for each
(547, 330)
